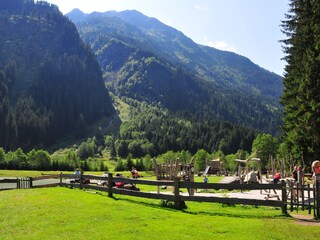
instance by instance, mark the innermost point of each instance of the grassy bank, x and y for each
(61, 213)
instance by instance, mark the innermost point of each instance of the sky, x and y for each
(250, 28)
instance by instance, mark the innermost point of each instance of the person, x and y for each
(77, 174)
(276, 178)
(104, 182)
(205, 179)
(134, 173)
(294, 183)
(315, 169)
(119, 184)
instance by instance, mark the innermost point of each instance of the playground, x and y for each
(175, 182)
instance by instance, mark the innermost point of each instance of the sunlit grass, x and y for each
(62, 213)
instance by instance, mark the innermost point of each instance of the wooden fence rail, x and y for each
(20, 183)
(9, 180)
(29, 182)
(177, 197)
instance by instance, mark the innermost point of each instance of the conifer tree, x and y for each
(301, 97)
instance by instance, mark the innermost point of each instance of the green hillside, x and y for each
(51, 83)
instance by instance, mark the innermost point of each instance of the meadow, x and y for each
(62, 213)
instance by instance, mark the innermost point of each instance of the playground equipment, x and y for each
(246, 176)
(214, 166)
(174, 169)
(279, 166)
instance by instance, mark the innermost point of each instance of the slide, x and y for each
(206, 170)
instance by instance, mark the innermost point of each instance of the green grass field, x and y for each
(62, 213)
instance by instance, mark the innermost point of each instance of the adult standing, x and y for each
(315, 169)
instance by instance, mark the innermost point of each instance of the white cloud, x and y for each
(198, 7)
(221, 45)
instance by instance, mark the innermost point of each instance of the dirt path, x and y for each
(307, 220)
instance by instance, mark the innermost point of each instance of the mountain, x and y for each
(77, 15)
(146, 60)
(170, 44)
(50, 81)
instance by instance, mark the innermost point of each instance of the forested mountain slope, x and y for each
(50, 81)
(145, 60)
(151, 35)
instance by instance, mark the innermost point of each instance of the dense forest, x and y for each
(88, 157)
(50, 81)
(301, 97)
(154, 130)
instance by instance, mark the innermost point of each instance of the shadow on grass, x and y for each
(239, 215)
(223, 210)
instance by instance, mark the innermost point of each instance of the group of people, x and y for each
(298, 169)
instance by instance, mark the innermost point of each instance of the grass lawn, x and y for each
(62, 213)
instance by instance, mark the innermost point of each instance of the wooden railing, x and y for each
(176, 196)
(29, 182)
(20, 183)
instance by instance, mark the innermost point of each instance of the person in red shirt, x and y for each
(276, 178)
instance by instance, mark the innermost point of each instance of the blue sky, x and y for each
(248, 27)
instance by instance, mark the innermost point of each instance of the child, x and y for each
(205, 179)
(276, 178)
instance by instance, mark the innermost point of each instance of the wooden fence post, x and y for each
(110, 185)
(317, 196)
(30, 182)
(284, 197)
(18, 183)
(60, 183)
(81, 179)
(177, 193)
(309, 201)
(302, 196)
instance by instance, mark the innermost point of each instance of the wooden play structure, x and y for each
(214, 166)
(279, 166)
(287, 172)
(173, 170)
(246, 173)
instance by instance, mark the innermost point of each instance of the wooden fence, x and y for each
(29, 182)
(46, 177)
(20, 183)
(307, 201)
(176, 196)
